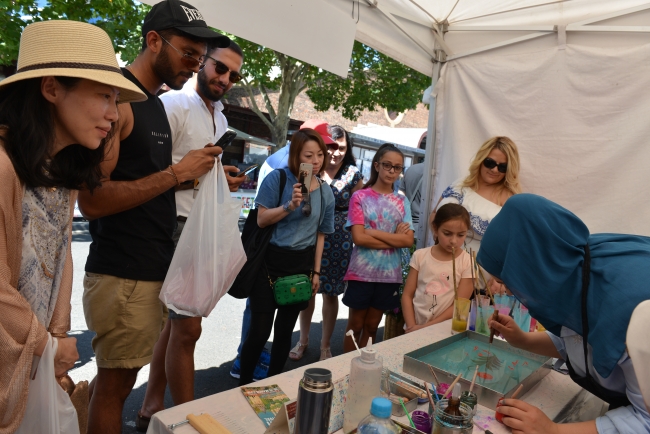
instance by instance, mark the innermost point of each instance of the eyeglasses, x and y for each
(221, 68)
(387, 167)
(187, 60)
(491, 164)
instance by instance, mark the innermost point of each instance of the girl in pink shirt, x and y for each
(428, 296)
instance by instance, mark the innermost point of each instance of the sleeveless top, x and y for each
(46, 216)
(137, 243)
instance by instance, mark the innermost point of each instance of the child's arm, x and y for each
(408, 311)
(361, 238)
(403, 236)
(464, 291)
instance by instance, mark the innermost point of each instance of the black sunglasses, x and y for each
(221, 68)
(187, 60)
(491, 164)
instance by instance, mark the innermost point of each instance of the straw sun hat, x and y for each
(71, 49)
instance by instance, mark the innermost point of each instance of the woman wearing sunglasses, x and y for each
(493, 178)
(301, 221)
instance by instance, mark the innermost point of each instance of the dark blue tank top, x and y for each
(137, 243)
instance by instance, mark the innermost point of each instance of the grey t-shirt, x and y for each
(413, 189)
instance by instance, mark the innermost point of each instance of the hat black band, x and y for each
(69, 65)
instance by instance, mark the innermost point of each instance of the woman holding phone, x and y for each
(56, 115)
(296, 247)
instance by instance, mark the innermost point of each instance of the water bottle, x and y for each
(314, 402)
(378, 422)
(365, 384)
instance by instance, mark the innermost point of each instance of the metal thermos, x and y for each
(314, 402)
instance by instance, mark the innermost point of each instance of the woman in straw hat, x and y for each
(56, 114)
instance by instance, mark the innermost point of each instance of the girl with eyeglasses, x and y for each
(380, 222)
(296, 247)
(493, 178)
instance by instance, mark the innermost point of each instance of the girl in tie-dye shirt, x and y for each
(380, 222)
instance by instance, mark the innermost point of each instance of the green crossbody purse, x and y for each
(292, 289)
(296, 288)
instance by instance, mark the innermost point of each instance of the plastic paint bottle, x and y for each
(365, 382)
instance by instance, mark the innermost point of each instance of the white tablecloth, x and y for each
(556, 395)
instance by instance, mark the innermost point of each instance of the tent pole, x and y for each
(426, 201)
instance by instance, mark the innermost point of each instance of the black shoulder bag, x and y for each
(255, 240)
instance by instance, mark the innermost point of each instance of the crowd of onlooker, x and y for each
(75, 126)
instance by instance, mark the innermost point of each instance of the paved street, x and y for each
(215, 350)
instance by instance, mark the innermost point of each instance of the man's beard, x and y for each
(165, 71)
(204, 88)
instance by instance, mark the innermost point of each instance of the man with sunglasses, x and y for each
(133, 214)
(196, 119)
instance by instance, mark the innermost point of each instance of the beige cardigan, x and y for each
(20, 331)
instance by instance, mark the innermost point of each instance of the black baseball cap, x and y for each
(182, 16)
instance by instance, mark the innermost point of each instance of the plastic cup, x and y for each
(422, 421)
(522, 317)
(483, 313)
(461, 314)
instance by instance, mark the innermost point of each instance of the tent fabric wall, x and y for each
(579, 115)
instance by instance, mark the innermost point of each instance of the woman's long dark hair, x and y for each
(383, 150)
(337, 132)
(28, 122)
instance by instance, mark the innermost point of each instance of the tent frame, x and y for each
(443, 54)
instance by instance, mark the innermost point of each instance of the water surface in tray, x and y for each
(499, 370)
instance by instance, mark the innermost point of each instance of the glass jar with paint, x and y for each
(461, 314)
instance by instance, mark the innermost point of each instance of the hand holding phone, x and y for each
(245, 171)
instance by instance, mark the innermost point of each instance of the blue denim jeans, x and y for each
(245, 326)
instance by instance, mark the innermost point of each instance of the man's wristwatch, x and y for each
(287, 207)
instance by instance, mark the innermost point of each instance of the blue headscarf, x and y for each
(537, 248)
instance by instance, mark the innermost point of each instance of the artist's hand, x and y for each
(524, 418)
(402, 228)
(496, 287)
(315, 284)
(509, 329)
(296, 196)
(233, 181)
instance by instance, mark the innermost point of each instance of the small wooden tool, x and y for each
(495, 317)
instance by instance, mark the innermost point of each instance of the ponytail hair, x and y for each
(451, 211)
(383, 150)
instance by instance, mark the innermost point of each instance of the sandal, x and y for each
(325, 354)
(298, 351)
(141, 422)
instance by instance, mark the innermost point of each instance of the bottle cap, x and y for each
(381, 407)
(318, 375)
(368, 355)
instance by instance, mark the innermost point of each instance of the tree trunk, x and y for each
(292, 83)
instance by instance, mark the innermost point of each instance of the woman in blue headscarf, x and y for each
(583, 288)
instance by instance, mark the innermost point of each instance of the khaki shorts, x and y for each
(127, 316)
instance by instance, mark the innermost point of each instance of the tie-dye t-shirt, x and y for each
(383, 212)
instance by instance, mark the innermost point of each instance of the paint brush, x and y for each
(433, 405)
(451, 386)
(487, 287)
(453, 267)
(471, 386)
(435, 377)
(517, 392)
(495, 317)
(472, 257)
(401, 401)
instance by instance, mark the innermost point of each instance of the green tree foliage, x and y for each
(121, 19)
(374, 80)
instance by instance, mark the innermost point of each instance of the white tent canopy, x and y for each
(568, 81)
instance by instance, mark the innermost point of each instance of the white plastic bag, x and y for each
(209, 254)
(49, 409)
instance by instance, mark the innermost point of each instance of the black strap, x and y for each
(283, 182)
(586, 269)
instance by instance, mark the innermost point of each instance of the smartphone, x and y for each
(305, 176)
(225, 140)
(245, 171)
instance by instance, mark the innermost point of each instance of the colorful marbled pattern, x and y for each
(383, 212)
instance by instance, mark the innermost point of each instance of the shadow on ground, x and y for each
(217, 379)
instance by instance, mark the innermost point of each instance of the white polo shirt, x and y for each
(192, 128)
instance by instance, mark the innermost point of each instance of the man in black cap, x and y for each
(133, 215)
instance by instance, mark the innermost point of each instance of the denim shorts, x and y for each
(378, 295)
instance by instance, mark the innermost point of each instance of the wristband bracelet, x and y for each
(173, 174)
(316, 272)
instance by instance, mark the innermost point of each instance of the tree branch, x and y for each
(254, 106)
(267, 101)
